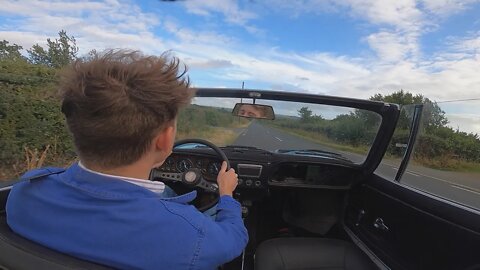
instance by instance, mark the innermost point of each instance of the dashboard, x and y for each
(208, 166)
(259, 169)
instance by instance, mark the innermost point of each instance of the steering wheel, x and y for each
(193, 176)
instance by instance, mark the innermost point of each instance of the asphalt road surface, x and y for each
(463, 188)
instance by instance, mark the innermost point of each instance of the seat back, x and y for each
(19, 253)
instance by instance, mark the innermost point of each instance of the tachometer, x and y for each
(170, 162)
(214, 167)
(184, 165)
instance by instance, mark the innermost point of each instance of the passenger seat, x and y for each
(311, 254)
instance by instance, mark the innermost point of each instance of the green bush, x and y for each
(29, 121)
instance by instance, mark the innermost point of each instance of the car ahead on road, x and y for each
(308, 185)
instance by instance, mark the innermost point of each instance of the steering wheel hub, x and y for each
(192, 176)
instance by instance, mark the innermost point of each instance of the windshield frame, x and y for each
(388, 112)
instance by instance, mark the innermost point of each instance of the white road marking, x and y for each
(414, 174)
(466, 189)
(278, 138)
(417, 174)
(436, 178)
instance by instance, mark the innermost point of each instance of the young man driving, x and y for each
(121, 109)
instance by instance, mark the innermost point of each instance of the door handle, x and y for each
(379, 224)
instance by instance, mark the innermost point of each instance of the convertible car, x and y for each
(311, 193)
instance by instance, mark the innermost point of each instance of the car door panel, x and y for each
(423, 232)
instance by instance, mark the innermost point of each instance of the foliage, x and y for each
(33, 131)
(436, 144)
(195, 118)
(10, 52)
(305, 114)
(434, 116)
(28, 119)
(59, 52)
(436, 140)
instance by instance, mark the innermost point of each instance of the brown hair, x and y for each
(117, 101)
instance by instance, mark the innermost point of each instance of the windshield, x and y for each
(298, 128)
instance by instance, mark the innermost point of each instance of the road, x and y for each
(463, 188)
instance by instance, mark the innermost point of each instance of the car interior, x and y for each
(304, 209)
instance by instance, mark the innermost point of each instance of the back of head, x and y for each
(117, 101)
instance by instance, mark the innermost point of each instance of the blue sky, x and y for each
(353, 48)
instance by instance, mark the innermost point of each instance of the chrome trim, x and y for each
(365, 249)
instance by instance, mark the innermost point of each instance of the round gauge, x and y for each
(214, 168)
(199, 163)
(169, 162)
(184, 165)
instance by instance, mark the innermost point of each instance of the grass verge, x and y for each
(445, 163)
(217, 136)
(449, 164)
(323, 140)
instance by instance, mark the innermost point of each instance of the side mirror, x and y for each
(256, 111)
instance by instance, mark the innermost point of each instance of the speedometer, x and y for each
(184, 165)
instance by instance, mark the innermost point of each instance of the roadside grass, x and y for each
(34, 159)
(323, 140)
(444, 163)
(217, 136)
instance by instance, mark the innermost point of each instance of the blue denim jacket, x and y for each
(122, 225)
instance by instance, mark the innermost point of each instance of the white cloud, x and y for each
(400, 14)
(397, 62)
(230, 9)
(446, 7)
(393, 47)
(469, 44)
(403, 15)
(216, 63)
(108, 23)
(469, 123)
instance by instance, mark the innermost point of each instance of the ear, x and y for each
(165, 139)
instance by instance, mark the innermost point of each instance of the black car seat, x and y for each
(311, 254)
(19, 253)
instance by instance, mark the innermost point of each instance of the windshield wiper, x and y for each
(313, 152)
(242, 147)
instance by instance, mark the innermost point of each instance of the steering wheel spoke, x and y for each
(192, 177)
(167, 176)
(207, 186)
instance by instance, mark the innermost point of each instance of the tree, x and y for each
(10, 52)
(59, 52)
(433, 116)
(305, 114)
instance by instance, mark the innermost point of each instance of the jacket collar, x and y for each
(154, 186)
(110, 187)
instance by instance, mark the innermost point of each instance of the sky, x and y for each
(350, 48)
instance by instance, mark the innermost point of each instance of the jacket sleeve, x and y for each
(225, 238)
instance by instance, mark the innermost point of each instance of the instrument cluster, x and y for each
(178, 164)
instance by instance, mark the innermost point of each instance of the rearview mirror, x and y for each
(257, 111)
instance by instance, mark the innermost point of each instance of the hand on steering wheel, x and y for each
(227, 180)
(193, 176)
